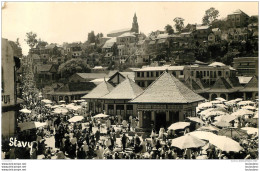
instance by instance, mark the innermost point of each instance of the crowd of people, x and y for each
(112, 138)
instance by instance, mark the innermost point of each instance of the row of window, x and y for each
(212, 74)
(155, 73)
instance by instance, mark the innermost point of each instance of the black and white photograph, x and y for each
(129, 80)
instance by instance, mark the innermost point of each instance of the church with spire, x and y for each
(134, 29)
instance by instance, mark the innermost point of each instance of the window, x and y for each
(192, 73)
(157, 74)
(174, 73)
(151, 74)
(138, 74)
(219, 73)
(181, 73)
(147, 74)
(207, 73)
(142, 74)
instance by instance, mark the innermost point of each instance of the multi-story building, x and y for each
(9, 99)
(237, 19)
(246, 66)
(207, 74)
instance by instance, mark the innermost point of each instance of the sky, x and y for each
(58, 22)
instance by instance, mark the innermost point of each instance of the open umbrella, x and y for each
(216, 102)
(250, 130)
(205, 105)
(46, 101)
(233, 132)
(76, 118)
(226, 144)
(208, 128)
(179, 125)
(187, 141)
(60, 110)
(25, 110)
(221, 99)
(195, 119)
(249, 107)
(48, 105)
(222, 124)
(203, 135)
(225, 118)
(243, 103)
(242, 112)
(31, 125)
(101, 115)
(55, 106)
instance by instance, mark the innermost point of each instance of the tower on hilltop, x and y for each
(135, 27)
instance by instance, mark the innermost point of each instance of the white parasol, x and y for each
(76, 118)
(179, 125)
(25, 110)
(101, 115)
(187, 141)
(226, 144)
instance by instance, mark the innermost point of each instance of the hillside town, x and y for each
(182, 92)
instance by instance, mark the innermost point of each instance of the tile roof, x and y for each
(127, 89)
(167, 89)
(101, 90)
(252, 85)
(221, 85)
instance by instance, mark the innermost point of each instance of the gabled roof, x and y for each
(101, 90)
(252, 85)
(127, 89)
(167, 89)
(238, 11)
(221, 85)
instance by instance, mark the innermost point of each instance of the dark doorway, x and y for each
(160, 120)
(147, 119)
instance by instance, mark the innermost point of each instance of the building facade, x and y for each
(10, 107)
(246, 66)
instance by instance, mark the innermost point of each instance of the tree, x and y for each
(210, 15)
(179, 23)
(41, 43)
(17, 42)
(31, 39)
(91, 37)
(169, 29)
(73, 66)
